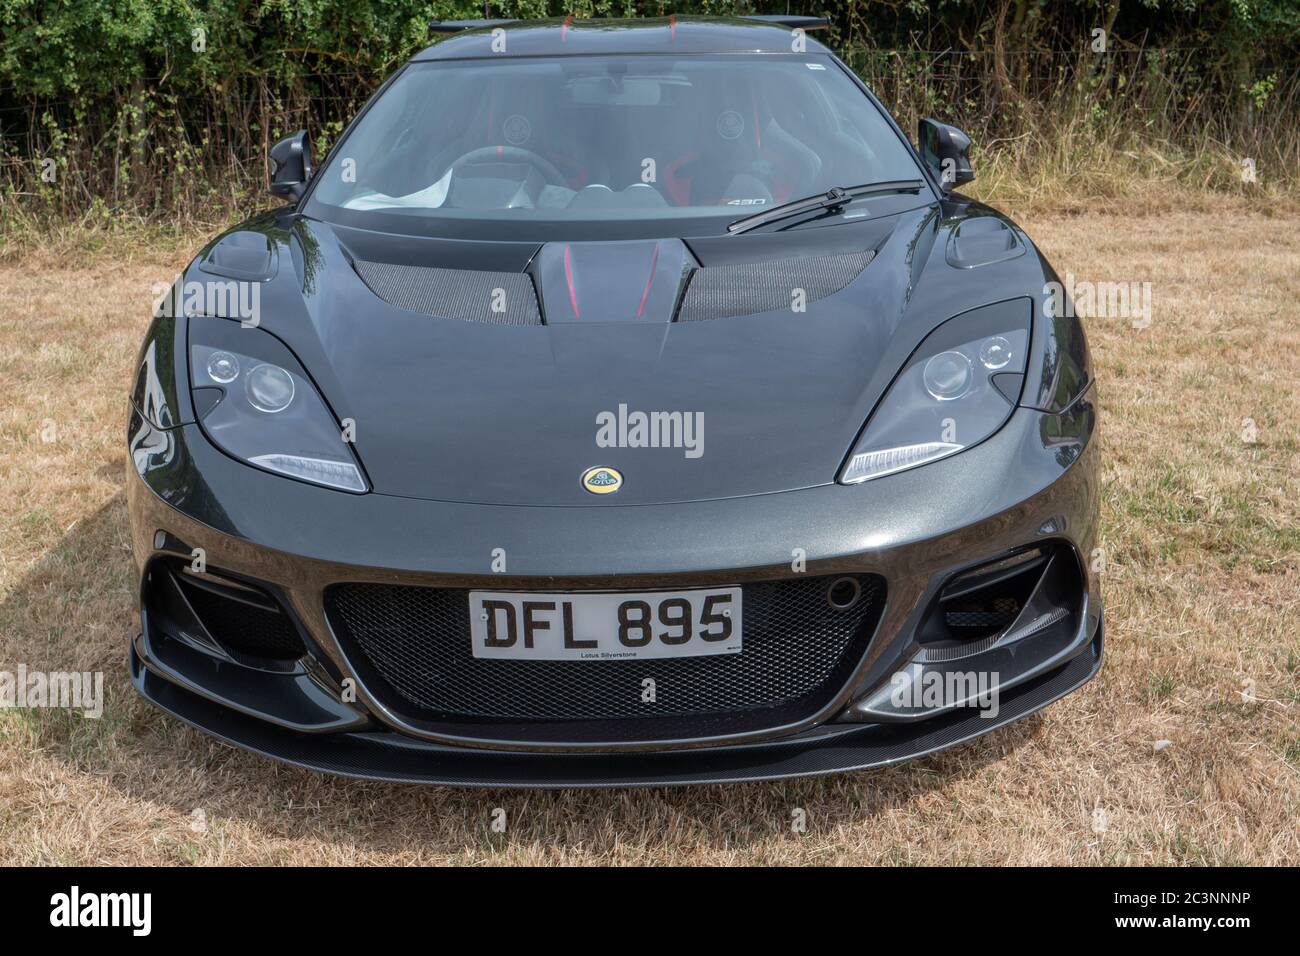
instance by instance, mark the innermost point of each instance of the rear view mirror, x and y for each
(291, 166)
(946, 150)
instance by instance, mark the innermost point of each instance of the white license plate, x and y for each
(604, 626)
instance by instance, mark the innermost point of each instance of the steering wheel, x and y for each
(511, 154)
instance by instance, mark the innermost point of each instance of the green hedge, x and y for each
(62, 48)
(124, 94)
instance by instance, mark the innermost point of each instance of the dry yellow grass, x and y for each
(1202, 536)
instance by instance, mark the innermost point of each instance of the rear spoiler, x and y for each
(794, 23)
(455, 26)
(800, 23)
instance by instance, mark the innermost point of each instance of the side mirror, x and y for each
(291, 166)
(946, 150)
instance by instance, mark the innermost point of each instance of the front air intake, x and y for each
(243, 622)
(1000, 603)
(237, 618)
(411, 647)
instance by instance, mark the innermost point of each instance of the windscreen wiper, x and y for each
(834, 199)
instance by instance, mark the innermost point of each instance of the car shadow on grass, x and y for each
(76, 610)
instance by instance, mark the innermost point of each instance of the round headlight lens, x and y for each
(947, 376)
(269, 388)
(995, 353)
(223, 368)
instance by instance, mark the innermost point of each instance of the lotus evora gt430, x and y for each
(617, 403)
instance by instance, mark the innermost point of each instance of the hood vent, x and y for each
(497, 298)
(712, 292)
(748, 288)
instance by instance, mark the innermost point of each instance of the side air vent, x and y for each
(242, 621)
(464, 294)
(1000, 603)
(748, 288)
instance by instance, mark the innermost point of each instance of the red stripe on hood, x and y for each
(568, 275)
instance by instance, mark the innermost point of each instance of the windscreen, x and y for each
(609, 138)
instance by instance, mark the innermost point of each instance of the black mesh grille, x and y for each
(748, 288)
(244, 628)
(798, 652)
(989, 609)
(497, 298)
(992, 619)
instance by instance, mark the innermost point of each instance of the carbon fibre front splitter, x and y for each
(829, 749)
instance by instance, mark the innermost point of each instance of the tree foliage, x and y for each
(57, 48)
(156, 105)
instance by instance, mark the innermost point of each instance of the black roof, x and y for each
(651, 35)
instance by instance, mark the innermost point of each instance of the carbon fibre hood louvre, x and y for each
(736, 289)
(631, 281)
(473, 295)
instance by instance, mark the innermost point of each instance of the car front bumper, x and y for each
(385, 755)
(1033, 483)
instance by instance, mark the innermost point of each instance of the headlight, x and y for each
(254, 402)
(957, 389)
(947, 376)
(270, 388)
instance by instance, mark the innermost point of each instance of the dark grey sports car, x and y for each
(618, 403)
